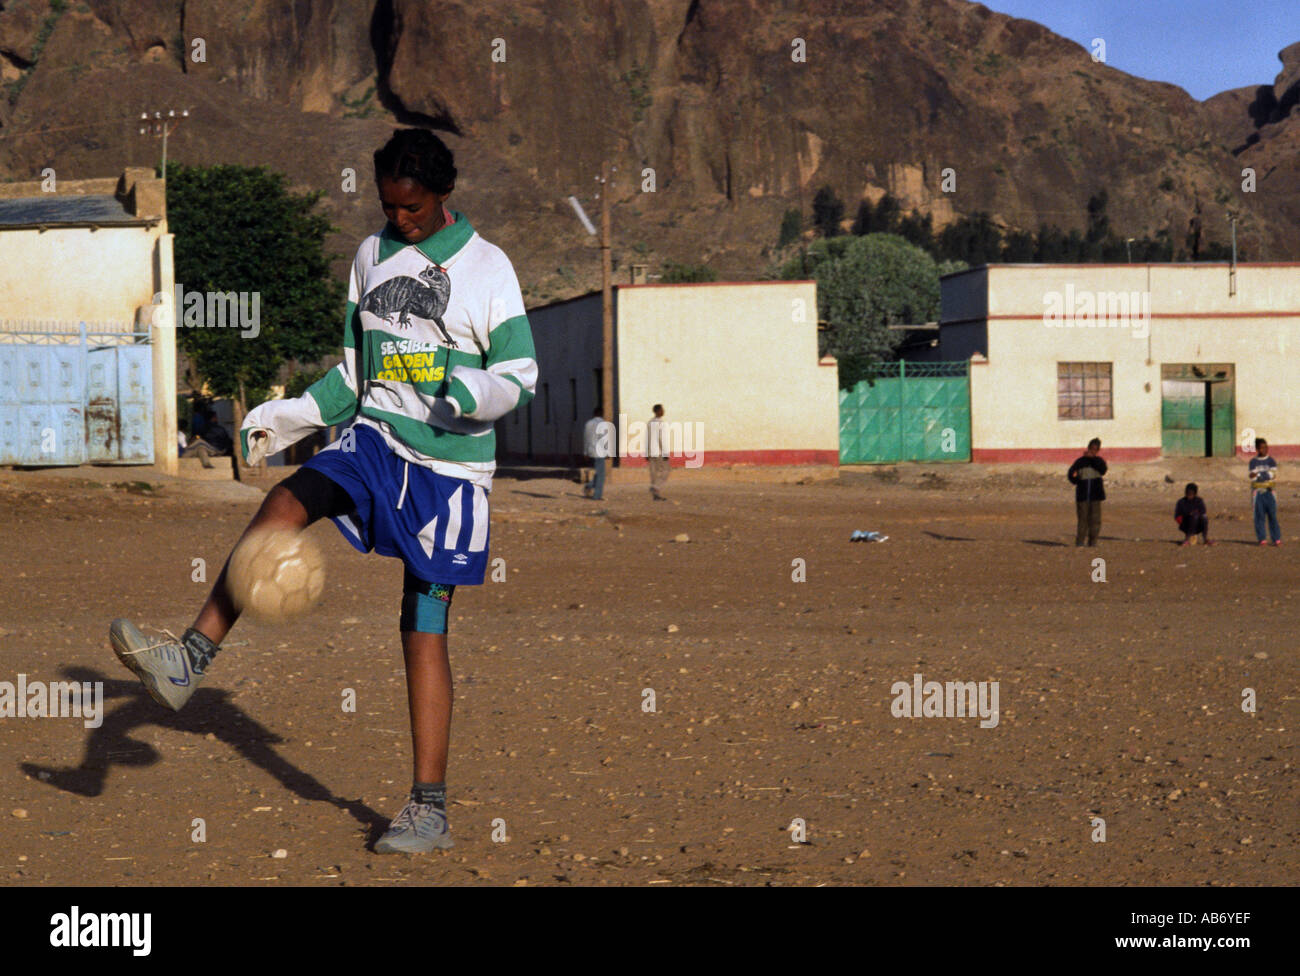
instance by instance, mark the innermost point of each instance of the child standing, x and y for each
(436, 348)
(1191, 516)
(1263, 478)
(1086, 475)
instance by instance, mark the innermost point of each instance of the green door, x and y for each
(1197, 409)
(1223, 421)
(1182, 418)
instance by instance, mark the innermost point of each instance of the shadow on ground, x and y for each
(209, 711)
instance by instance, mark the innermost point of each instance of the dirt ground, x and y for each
(1119, 700)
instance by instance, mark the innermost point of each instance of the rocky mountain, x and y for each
(731, 110)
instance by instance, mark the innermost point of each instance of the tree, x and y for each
(862, 223)
(1146, 250)
(827, 210)
(1074, 247)
(917, 229)
(239, 230)
(883, 218)
(1049, 245)
(300, 380)
(864, 285)
(974, 238)
(805, 264)
(677, 273)
(1098, 241)
(888, 215)
(1215, 251)
(791, 228)
(1018, 247)
(1194, 232)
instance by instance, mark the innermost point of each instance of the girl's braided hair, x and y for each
(419, 155)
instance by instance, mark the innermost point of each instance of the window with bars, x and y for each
(1083, 391)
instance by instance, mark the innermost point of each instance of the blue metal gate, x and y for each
(73, 394)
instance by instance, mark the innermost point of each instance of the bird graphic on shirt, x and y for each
(425, 297)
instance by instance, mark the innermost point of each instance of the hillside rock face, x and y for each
(1285, 93)
(731, 111)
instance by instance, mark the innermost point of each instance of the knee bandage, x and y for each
(425, 605)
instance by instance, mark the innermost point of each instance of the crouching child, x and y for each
(1192, 517)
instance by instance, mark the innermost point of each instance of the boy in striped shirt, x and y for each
(436, 348)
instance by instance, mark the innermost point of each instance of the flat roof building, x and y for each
(1172, 360)
(87, 369)
(735, 365)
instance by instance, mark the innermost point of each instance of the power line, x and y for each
(5, 134)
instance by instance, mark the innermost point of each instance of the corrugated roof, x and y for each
(52, 209)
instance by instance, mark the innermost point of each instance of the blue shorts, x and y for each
(437, 525)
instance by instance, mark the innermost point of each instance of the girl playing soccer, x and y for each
(436, 347)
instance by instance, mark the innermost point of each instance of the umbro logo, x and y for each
(184, 680)
(460, 559)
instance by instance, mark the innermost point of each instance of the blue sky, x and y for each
(1203, 46)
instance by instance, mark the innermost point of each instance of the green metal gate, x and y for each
(907, 412)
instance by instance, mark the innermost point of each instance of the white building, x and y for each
(1155, 359)
(735, 366)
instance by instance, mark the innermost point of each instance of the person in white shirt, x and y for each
(597, 436)
(657, 452)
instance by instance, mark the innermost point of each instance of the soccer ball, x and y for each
(275, 575)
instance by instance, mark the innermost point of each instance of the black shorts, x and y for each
(322, 496)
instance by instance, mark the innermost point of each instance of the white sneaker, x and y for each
(418, 829)
(161, 663)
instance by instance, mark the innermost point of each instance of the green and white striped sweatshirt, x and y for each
(436, 347)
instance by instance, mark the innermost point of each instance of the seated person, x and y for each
(217, 436)
(215, 442)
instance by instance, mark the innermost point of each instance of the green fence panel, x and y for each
(936, 419)
(870, 422)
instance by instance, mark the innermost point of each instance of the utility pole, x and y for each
(164, 126)
(607, 299)
(1232, 272)
(606, 288)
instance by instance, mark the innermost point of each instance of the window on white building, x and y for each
(1083, 391)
